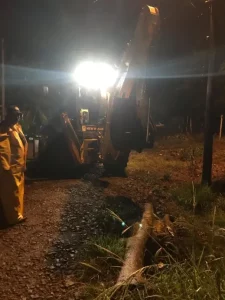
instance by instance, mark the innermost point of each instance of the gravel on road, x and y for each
(38, 258)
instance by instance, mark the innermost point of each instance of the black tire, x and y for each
(117, 167)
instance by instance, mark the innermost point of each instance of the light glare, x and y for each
(96, 76)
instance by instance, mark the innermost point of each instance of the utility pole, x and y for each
(3, 81)
(208, 135)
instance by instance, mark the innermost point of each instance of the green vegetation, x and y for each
(171, 175)
(167, 177)
(200, 198)
(199, 276)
(187, 154)
(177, 281)
(107, 247)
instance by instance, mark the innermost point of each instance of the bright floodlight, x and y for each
(96, 76)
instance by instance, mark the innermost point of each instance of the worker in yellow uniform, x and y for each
(13, 150)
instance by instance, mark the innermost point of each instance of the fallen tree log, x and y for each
(135, 249)
(149, 228)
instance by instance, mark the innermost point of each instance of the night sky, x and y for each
(56, 33)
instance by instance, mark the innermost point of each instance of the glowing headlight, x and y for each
(96, 76)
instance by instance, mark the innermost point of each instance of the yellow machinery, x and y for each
(127, 125)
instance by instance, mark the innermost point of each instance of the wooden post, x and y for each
(221, 126)
(3, 81)
(147, 134)
(208, 132)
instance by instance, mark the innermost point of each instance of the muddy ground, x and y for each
(40, 258)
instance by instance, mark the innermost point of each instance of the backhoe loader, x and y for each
(123, 125)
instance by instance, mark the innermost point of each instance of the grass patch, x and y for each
(190, 274)
(187, 154)
(104, 246)
(199, 198)
(155, 164)
(220, 218)
(190, 281)
(199, 279)
(103, 256)
(196, 276)
(220, 221)
(167, 177)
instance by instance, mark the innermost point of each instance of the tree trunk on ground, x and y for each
(149, 228)
(135, 250)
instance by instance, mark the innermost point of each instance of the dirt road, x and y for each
(38, 257)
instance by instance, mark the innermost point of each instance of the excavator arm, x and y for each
(137, 56)
(128, 124)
